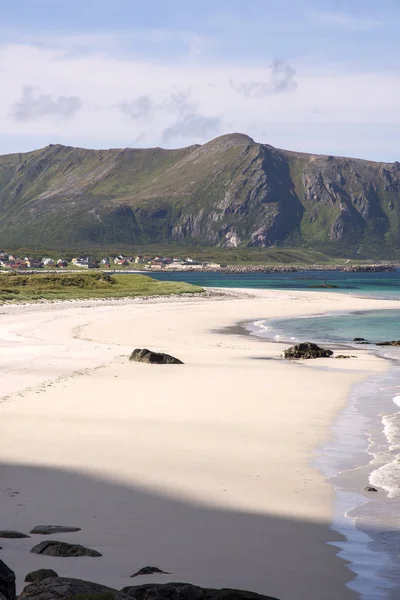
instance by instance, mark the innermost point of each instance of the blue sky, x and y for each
(316, 76)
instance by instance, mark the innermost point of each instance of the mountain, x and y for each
(229, 192)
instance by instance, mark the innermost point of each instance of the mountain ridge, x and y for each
(229, 192)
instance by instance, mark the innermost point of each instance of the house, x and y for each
(48, 262)
(16, 264)
(31, 263)
(140, 260)
(62, 263)
(86, 263)
(80, 262)
(122, 262)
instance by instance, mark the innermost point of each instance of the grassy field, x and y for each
(68, 286)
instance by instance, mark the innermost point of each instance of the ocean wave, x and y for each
(387, 476)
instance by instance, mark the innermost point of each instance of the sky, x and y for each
(313, 76)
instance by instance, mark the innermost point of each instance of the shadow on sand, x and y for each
(133, 527)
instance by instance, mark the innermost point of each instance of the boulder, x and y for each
(7, 582)
(154, 358)
(54, 548)
(370, 488)
(12, 534)
(63, 588)
(186, 591)
(392, 343)
(307, 350)
(40, 574)
(359, 339)
(345, 356)
(50, 529)
(150, 571)
(5, 533)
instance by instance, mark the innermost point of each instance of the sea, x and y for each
(364, 447)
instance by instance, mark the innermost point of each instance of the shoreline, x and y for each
(285, 506)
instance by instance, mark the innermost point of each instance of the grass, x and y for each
(68, 286)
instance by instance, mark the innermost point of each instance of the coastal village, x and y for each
(135, 263)
(143, 263)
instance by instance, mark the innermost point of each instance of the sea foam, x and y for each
(387, 476)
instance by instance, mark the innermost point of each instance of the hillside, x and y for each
(229, 192)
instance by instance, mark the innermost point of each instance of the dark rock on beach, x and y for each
(186, 591)
(54, 548)
(150, 571)
(63, 588)
(359, 339)
(345, 356)
(50, 529)
(5, 533)
(7, 582)
(307, 350)
(392, 343)
(154, 358)
(40, 574)
(370, 488)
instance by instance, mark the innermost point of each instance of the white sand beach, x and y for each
(201, 469)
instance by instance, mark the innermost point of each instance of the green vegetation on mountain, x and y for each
(73, 286)
(229, 193)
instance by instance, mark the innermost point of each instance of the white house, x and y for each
(48, 262)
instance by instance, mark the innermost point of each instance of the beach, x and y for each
(203, 469)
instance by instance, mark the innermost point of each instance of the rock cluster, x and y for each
(186, 591)
(55, 548)
(150, 571)
(7, 582)
(50, 529)
(46, 585)
(64, 588)
(155, 358)
(7, 533)
(307, 350)
(39, 575)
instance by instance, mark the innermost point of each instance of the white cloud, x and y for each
(345, 21)
(33, 105)
(279, 80)
(126, 100)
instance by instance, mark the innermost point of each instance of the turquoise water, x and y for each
(382, 284)
(373, 325)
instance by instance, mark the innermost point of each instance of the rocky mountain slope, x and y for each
(229, 192)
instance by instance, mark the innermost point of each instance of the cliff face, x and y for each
(229, 192)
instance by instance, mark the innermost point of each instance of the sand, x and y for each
(202, 469)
